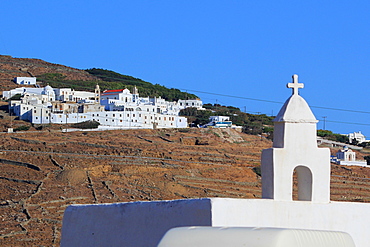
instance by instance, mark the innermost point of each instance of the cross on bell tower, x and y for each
(295, 85)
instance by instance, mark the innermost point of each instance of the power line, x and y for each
(237, 97)
(347, 123)
(277, 102)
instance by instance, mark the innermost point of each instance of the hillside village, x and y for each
(118, 108)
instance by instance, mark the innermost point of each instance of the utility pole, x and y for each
(10, 115)
(324, 121)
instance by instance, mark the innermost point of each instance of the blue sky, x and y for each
(247, 49)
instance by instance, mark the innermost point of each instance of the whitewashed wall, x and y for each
(130, 224)
(144, 223)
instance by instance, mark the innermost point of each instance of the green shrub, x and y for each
(22, 128)
(86, 125)
(257, 170)
(332, 136)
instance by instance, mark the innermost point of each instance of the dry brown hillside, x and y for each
(24, 67)
(43, 172)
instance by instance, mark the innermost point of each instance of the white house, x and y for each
(21, 91)
(197, 103)
(219, 122)
(25, 107)
(31, 100)
(25, 80)
(357, 136)
(68, 94)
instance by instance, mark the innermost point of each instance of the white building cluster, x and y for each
(117, 108)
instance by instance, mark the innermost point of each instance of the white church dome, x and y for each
(47, 89)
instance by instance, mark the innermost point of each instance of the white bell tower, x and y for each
(295, 149)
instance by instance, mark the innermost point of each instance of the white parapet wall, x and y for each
(130, 224)
(144, 223)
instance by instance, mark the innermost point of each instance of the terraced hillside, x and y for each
(42, 172)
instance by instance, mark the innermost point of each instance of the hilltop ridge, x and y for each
(11, 67)
(57, 75)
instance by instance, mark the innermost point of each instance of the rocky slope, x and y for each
(24, 67)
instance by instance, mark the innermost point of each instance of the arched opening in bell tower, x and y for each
(302, 176)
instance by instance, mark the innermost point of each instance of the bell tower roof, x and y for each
(295, 109)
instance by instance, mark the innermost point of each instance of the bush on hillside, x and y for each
(86, 125)
(22, 128)
(327, 134)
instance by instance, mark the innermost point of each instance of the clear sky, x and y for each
(245, 49)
